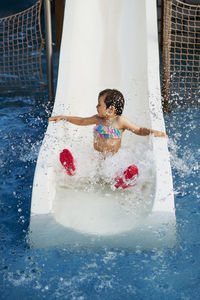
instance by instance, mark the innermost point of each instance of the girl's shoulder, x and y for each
(95, 118)
(98, 119)
(125, 123)
(120, 120)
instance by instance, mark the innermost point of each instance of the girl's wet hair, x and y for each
(113, 98)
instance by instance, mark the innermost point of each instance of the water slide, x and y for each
(105, 44)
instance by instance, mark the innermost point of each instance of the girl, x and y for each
(108, 130)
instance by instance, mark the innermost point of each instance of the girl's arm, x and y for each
(141, 130)
(76, 120)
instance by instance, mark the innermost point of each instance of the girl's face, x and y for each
(103, 112)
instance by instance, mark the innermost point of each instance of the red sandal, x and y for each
(127, 179)
(67, 160)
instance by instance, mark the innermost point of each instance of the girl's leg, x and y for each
(67, 160)
(127, 179)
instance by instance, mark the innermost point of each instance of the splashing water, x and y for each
(95, 174)
(79, 273)
(185, 164)
(64, 273)
(93, 166)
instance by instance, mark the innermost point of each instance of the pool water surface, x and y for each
(84, 273)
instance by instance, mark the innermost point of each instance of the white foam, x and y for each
(93, 168)
(184, 164)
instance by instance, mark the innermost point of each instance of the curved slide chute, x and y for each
(105, 44)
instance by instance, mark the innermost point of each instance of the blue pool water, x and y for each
(64, 273)
(61, 273)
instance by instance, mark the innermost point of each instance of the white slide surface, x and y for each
(105, 44)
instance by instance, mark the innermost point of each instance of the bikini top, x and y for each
(107, 131)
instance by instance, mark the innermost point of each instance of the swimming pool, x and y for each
(78, 273)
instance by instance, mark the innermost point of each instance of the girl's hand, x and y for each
(159, 133)
(164, 135)
(56, 119)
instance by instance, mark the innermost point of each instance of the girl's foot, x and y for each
(67, 161)
(128, 178)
